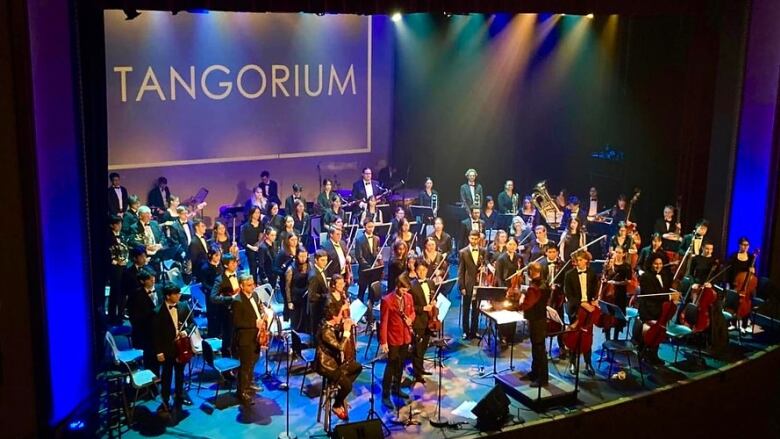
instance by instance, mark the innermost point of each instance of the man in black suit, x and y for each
(318, 290)
(337, 251)
(158, 197)
(470, 260)
(130, 217)
(581, 289)
(696, 240)
(248, 316)
(471, 191)
(537, 325)
(655, 282)
(421, 291)
(210, 272)
(141, 308)
(198, 249)
(171, 321)
(223, 291)
(130, 282)
(118, 256)
(182, 232)
(472, 223)
(365, 187)
(117, 196)
(551, 266)
(667, 227)
(366, 251)
(297, 195)
(266, 255)
(148, 233)
(269, 187)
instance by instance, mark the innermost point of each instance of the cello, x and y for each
(745, 284)
(607, 295)
(656, 333)
(579, 337)
(697, 313)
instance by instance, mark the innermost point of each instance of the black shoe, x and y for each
(589, 370)
(572, 369)
(401, 394)
(388, 403)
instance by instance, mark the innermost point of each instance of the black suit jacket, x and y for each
(661, 229)
(365, 257)
(158, 200)
(141, 310)
(164, 335)
(646, 256)
(418, 295)
(113, 200)
(466, 198)
(137, 234)
(129, 221)
(318, 289)
(465, 229)
(198, 254)
(271, 190)
(130, 281)
(573, 293)
(359, 189)
(506, 267)
(467, 269)
(178, 235)
(244, 320)
(650, 307)
(582, 217)
(266, 255)
(335, 267)
(289, 204)
(688, 241)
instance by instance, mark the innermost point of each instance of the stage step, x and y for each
(557, 393)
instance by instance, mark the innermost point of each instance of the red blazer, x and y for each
(393, 330)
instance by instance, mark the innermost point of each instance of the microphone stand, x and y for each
(372, 414)
(286, 433)
(438, 421)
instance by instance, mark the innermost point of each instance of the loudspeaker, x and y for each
(359, 430)
(493, 410)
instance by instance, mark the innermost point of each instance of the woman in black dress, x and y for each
(571, 239)
(740, 262)
(221, 240)
(296, 283)
(251, 234)
(618, 276)
(282, 261)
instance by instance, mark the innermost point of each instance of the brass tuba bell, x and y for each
(545, 204)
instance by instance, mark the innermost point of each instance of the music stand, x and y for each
(372, 274)
(422, 214)
(382, 230)
(504, 221)
(357, 309)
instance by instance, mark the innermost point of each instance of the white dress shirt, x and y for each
(369, 188)
(583, 277)
(118, 192)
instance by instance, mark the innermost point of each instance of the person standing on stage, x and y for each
(248, 318)
(266, 256)
(318, 290)
(669, 229)
(117, 196)
(421, 291)
(296, 279)
(470, 224)
(581, 288)
(552, 264)
(366, 252)
(269, 187)
(654, 283)
(332, 338)
(365, 187)
(508, 199)
(429, 197)
(442, 238)
(471, 260)
(537, 325)
(142, 305)
(471, 191)
(225, 289)
(297, 195)
(171, 322)
(539, 243)
(395, 335)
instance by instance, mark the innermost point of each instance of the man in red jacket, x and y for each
(395, 336)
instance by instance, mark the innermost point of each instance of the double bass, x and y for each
(745, 283)
(631, 230)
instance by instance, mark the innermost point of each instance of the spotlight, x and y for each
(396, 17)
(563, 15)
(590, 16)
(130, 14)
(447, 14)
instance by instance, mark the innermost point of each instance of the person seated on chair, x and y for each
(331, 341)
(172, 320)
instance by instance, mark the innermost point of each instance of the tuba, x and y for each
(545, 204)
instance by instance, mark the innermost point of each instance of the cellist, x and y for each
(741, 262)
(581, 288)
(655, 282)
(618, 275)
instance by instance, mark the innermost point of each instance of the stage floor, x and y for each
(463, 379)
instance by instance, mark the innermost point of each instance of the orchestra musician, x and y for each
(520, 231)
(593, 204)
(371, 211)
(497, 247)
(433, 258)
(172, 212)
(471, 191)
(337, 294)
(257, 199)
(397, 263)
(284, 258)
(325, 196)
(266, 254)
(572, 238)
(552, 265)
(539, 243)
(507, 264)
(269, 187)
(471, 259)
(288, 228)
(404, 233)
(581, 289)
(507, 199)
(181, 233)
(336, 249)
(130, 282)
(198, 250)
(701, 265)
(422, 290)
(657, 281)
(623, 240)
(130, 216)
(696, 240)
(225, 289)
(398, 214)
(395, 335)
(528, 212)
(141, 305)
(443, 239)
(117, 196)
(221, 240)
(619, 212)
(301, 221)
(473, 223)
(365, 187)
(741, 262)
(334, 213)
(147, 233)
(248, 316)
(367, 250)
(272, 218)
(118, 257)
(429, 197)
(618, 275)
(489, 216)
(209, 273)
(537, 326)
(172, 320)
(573, 210)
(158, 197)
(669, 229)
(297, 195)
(318, 290)
(251, 232)
(296, 280)
(650, 252)
(332, 338)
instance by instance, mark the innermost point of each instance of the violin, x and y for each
(350, 347)
(184, 343)
(264, 333)
(746, 283)
(434, 324)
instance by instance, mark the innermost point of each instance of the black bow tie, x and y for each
(368, 183)
(582, 272)
(231, 275)
(171, 306)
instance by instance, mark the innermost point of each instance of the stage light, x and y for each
(563, 15)
(590, 16)
(396, 17)
(130, 14)
(447, 14)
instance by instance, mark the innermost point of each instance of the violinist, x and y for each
(498, 246)
(171, 321)
(507, 264)
(434, 259)
(337, 251)
(324, 198)
(623, 240)
(443, 239)
(334, 213)
(507, 199)
(296, 282)
(273, 219)
(473, 223)
(248, 318)
(669, 229)
(429, 197)
(288, 228)
(332, 338)
(521, 231)
(397, 263)
(225, 289)
(528, 212)
(537, 326)
(551, 266)
(741, 262)
(471, 260)
(581, 287)
(297, 195)
(405, 234)
(618, 275)
(696, 240)
(572, 238)
(371, 211)
(657, 281)
(650, 252)
(422, 290)
(489, 216)
(367, 250)
(395, 336)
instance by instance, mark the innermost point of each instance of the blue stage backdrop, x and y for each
(224, 95)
